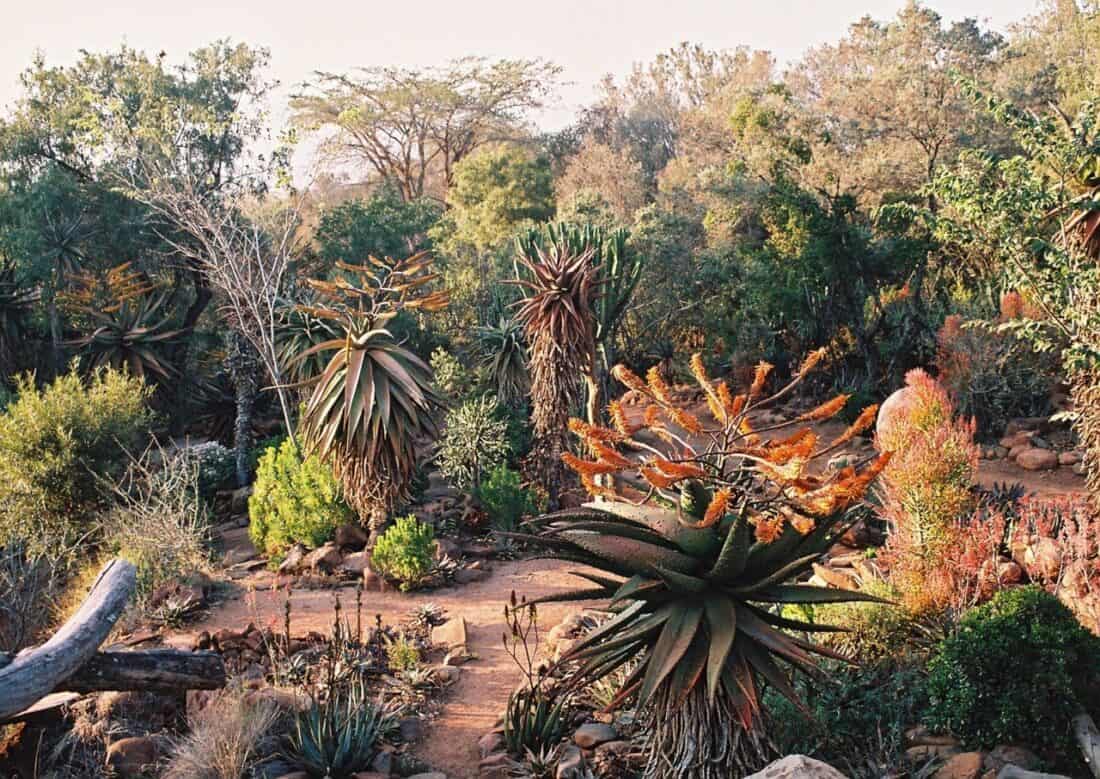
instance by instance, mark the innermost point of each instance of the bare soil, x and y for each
(476, 700)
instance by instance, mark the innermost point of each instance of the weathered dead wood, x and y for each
(1015, 772)
(37, 672)
(1088, 739)
(150, 670)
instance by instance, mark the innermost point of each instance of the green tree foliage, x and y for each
(60, 449)
(474, 442)
(382, 225)
(412, 126)
(294, 501)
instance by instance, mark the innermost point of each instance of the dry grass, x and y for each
(227, 736)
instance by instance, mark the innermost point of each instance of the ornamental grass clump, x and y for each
(695, 565)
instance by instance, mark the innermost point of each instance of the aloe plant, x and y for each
(374, 399)
(695, 574)
(16, 301)
(338, 737)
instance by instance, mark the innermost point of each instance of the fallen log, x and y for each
(150, 670)
(1015, 772)
(1088, 739)
(37, 672)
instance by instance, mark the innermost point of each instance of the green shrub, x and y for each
(474, 442)
(858, 717)
(294, 502)
(453, 379)
(215, 466)
(405, 551)
(873, 631)
(505, 499)
(402, 654)
(1016, 671)
(60, 449)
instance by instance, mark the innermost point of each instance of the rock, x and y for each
(967, 765)
(798, 767)
(283, 699)
(355, 563)
(1005, 754)
(351, 537)
(1000, 452)
(835, 577)
(1037, 459)
(132, 757)
(238, 500)
(370, 774)
(919, 736)
(411, 728)
(297, 775)
(292, 563)
(451, 634)
(1032, 424)
(892, 409)
(1079, 469)
(1022, 438)
(839, 462)
(382, 764)
(592, 734)
(1040, 443)
(498, 765)
(1043, 559)
(1016, 451)
(444, 674)
(489, 743)
(1009, 572)
(238, 556)
(615, 748)
(446, 547)
(1069, 458)
(323, 559)
(429, 775)
(477, 549)
(922, 753)
(470, 575)
(570, 764)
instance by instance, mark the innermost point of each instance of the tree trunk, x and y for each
(243, 367)
(35, 673)
(153, 670)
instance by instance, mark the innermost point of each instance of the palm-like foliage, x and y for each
(300, 332)
(130, 325)
(15, 305)
(561, 285)
(503, 353)
(696, 571)
(374, 399)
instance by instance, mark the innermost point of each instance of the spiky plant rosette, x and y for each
(16, 301)
(373, 402)
(699, 568)
(504, 354)
(129, 325)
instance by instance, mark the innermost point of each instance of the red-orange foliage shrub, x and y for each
(926, 490)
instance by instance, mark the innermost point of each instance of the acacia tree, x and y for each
(411, 126)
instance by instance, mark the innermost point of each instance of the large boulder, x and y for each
(1037, 459)
(133, 757)
(323, 559)
(893, 409)
(798, 767)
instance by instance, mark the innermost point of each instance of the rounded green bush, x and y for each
(405, 551)
(1016, 671)
(294, 501)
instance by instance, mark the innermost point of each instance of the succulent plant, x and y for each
(374, 398)
(697, 570)
(130, 326)
(338, 736)
(15, 304)
(504, 354)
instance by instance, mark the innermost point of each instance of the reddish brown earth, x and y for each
(476, 700)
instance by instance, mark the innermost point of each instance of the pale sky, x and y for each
(589, 38)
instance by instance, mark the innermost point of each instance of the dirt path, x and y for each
(475, 701)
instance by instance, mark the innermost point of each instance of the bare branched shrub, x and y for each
(159, 522)
(29, 583)
(227, 736)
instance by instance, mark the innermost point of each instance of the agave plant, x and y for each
(504, 354)
(697, 570)
(374, 399)
(337, 737)
(15, 305)
(130, 326)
